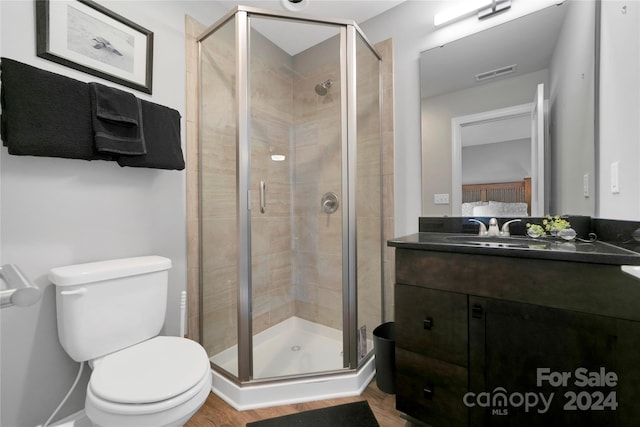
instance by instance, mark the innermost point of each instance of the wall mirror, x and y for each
(508, 110)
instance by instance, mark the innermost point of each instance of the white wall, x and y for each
(571, 105)
(620, 108)
(496, 162)
(58, 212)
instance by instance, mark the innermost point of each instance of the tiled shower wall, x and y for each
(218, 198)
(318, 170)
(193, 29)
(368, 190)
(271, 101)
(292, 276)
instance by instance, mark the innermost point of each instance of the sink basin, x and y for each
(499, 242)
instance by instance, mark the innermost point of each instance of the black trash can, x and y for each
(384, 344)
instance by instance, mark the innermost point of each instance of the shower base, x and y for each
(292, 347)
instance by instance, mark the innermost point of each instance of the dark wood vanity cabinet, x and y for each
(474, 350)
(431, 354)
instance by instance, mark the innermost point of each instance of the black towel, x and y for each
(116, 116)
(161, 128)
(45, 114)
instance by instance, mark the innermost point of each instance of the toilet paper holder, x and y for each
(16, 288)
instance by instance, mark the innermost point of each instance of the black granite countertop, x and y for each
(519, 246)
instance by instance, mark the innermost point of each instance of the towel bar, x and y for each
(16, 288)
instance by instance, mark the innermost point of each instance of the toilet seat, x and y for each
(160, 372)
(193, 397)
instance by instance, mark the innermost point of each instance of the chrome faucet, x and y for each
(505, 228)
(493, 231)
(483, 228)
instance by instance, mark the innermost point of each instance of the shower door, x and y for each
(219, 213)
(290, 196)
(295, 112)
(368, 197)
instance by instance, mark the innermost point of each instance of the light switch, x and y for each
(585, 185)
(615, 178)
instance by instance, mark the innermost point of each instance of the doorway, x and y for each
(507, 144)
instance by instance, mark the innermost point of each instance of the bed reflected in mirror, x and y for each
(499, 199)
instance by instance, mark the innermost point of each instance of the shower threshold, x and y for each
(292, 347)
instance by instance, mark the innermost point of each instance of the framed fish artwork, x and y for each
(86, 36)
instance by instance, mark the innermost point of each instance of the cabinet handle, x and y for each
(427, 323)
(476, 311)
(428, 393)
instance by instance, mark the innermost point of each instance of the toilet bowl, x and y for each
(159, 382)
(109, 314)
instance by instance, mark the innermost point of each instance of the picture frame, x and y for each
(88, 37)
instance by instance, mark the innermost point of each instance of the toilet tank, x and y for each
(106, 306)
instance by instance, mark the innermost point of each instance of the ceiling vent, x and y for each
(498, 72)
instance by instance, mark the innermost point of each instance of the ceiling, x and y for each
(355, 10)
(496, 131)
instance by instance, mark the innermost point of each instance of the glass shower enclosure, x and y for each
(290, 196)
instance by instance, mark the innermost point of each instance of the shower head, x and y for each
(323, 88)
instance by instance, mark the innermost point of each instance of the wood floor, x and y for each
(217, 413)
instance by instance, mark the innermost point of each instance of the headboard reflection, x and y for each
(505, 192)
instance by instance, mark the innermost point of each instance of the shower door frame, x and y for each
(349, 31)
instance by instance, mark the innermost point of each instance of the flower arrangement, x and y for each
(535, 230)
(553, 225)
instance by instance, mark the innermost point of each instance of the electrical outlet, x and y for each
(441, 199)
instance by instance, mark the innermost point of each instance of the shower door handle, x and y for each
(263, 200)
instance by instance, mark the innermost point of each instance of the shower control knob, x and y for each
(329, 203)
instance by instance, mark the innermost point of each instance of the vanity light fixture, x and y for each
(484, 9)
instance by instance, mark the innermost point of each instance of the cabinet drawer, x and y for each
(432, 323)
(431, 390)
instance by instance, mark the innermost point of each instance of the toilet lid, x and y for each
(152, 371)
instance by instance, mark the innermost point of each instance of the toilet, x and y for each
(110, 314)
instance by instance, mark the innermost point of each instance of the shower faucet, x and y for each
(329, 203)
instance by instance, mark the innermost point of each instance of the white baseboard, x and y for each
(78, 419)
